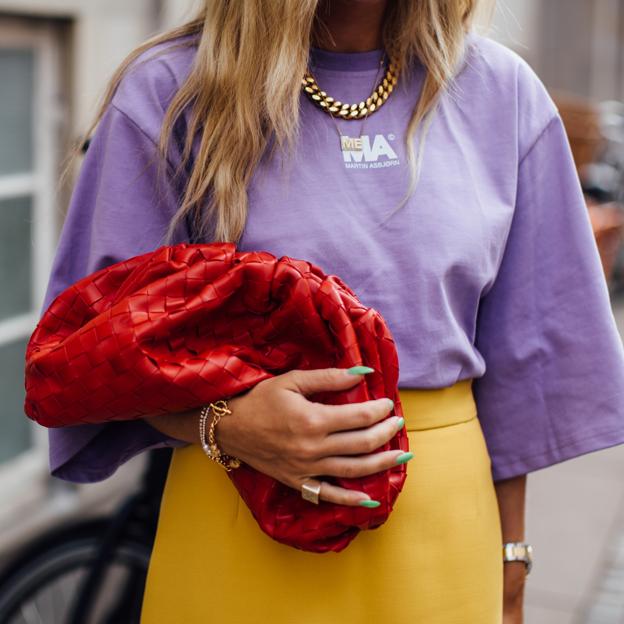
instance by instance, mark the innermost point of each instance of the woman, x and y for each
(453, 208)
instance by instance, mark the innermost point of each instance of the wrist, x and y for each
(225, 430)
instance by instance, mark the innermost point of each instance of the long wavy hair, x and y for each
(244, 89)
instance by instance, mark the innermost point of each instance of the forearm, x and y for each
(511, 494)
(185, 425)
(181, 425)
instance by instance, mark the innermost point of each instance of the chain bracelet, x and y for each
(211, 449)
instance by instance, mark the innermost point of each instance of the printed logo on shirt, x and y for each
(366, 153)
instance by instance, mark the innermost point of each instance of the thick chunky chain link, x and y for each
(352, 111)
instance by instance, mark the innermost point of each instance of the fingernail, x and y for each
(404, 457)
(391, 402)
(400, 423)
(369, 503)
(360, 370)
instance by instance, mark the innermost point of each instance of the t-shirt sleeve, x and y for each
(120, 207)
(553, 387)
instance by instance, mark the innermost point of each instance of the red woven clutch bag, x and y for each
(189, 324)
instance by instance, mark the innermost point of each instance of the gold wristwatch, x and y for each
(519, 551)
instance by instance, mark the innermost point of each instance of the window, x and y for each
(29, 77)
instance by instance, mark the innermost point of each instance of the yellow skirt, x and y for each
(436, 560)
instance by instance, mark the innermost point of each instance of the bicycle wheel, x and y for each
(39, 587)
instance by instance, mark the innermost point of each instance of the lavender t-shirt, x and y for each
(490, 271)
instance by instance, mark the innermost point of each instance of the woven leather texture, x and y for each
(188, 324)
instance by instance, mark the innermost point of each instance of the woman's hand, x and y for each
(275, 429)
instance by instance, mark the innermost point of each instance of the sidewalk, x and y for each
(575, 521)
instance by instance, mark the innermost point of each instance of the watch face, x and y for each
(518, 551)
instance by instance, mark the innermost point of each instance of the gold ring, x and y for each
(310, 490)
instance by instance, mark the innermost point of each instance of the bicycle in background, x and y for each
(89, 572)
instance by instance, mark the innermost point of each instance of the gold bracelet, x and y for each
(219, 408)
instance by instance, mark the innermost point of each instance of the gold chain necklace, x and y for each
(363, 109)
(352, 111)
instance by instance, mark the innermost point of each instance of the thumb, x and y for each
(321, 379)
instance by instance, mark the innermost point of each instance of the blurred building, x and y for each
(55, 59)
(576, 46)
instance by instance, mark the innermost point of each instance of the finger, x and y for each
(360, 441)
(350, 467)
(357, 415)
(341, 496)
(308, 382)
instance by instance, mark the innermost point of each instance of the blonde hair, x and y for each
(244, 91)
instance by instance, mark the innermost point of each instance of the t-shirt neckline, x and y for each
(345, 61)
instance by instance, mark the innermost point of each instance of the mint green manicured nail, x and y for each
(404, 457)
(360, 370)
(400, 423)
(369, 503)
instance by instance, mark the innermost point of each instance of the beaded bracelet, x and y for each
(219, 408)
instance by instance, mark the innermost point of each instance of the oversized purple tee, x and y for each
(490, 271)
